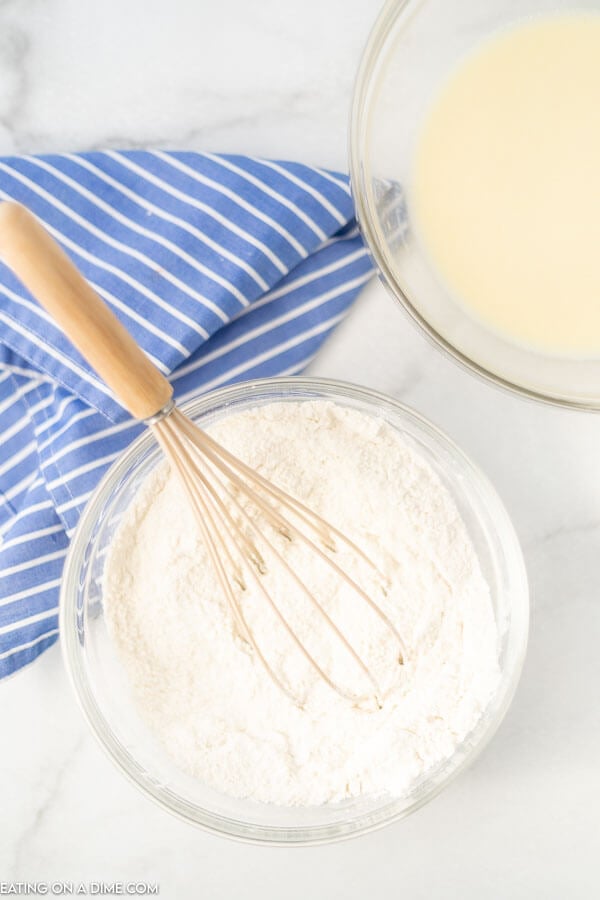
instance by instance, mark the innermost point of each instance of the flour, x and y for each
(211, 703)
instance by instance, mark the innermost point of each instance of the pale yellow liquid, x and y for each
(505, 193)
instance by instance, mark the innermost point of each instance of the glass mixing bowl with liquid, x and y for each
(474, 143)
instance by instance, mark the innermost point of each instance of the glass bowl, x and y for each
(413, 46)
(101, 685)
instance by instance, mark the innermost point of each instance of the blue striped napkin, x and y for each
(224, 268)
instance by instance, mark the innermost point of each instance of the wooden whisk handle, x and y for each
(48, 273)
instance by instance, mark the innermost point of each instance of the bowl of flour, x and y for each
(181, 703)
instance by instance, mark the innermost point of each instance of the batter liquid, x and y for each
(505, 193)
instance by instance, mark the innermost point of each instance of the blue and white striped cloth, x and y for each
(224, 268)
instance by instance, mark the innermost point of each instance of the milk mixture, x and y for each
(505, 193)
(201, 689)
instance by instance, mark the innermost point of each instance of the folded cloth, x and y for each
(224, 268)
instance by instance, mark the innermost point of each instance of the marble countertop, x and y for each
(275, 79)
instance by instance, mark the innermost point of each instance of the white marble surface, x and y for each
(275, 79)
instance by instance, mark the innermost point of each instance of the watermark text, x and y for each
(79, 888)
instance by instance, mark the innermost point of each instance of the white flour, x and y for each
(217, 712)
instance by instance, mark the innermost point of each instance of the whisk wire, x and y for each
(312, 519)
(207, 447)
(173, 446)
(182, 440)
(239, 540)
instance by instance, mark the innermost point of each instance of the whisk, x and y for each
(223, 490)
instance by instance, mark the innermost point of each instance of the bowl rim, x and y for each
(73, 659)
(387, 17)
